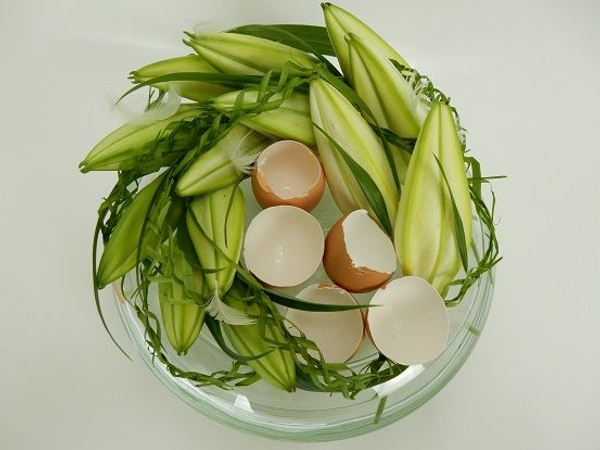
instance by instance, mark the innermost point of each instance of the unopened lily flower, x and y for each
(248, 55)
(390, 97)
(284, 117)
(136, 234)
(434, 225)
(215, 223)
(199, 91)
(179, 292)
(224, 164)
(341, 129)
(123, 147)
(340, 23)
(276, 365)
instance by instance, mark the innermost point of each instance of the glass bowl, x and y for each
(307, 415)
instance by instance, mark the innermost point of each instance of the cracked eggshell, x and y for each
(359, 256)
(410, 325)
(283, 246)
(288, 173)
(338, 334)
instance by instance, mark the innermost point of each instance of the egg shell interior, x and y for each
(338, 334)
(410, 323)
(288, 173)
(283, 246)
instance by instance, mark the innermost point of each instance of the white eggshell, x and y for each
(283, 246)
(338, 334)
(410, 324)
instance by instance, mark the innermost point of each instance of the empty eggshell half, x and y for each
(288, 173)
(338, 334)
(359, 256)
(410, 324)
(283, 246)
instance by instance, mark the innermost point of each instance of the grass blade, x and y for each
(461, 241)
(308, 38)
(303, 305)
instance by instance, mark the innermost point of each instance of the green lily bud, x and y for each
(338, 123)
(178, 295)
(199, 91)
(340, 23)
(215, 222)
(248, 55)
(224, 164)
(289, 120)
(122, 148)
(276, 366)
(390, 97)
(123, 249)
(426, 235)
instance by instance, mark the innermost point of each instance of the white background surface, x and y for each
(525, 76)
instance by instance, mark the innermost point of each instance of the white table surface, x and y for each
(525, 76)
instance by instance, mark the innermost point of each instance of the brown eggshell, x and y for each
(341, 269)
(288, 173)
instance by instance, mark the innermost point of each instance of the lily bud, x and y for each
(215, 222)
(224, 164)
(122, 148)
(199, 91)
(276, 365)
(340, 23)
(339, 125)
(248, 55)
(289, 118)
(427, 238)
(182, 316)
(390, 97)
(126, 246)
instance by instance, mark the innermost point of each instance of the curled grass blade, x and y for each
(303, 305)
(490, 258)
(95, 283)
(233, 80)
(309, 38)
